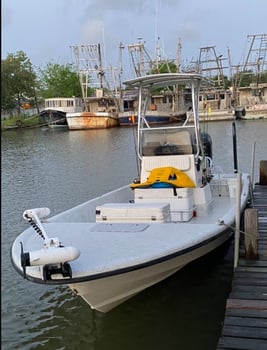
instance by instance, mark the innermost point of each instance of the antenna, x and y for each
(156, 26)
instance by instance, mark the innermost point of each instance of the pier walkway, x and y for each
(245, 323)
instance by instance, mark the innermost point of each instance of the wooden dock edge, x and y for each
(245, 322)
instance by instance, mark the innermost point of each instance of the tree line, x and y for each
(24, 87)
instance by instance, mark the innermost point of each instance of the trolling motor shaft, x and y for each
(54, 257)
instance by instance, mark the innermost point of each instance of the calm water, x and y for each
(59, 169)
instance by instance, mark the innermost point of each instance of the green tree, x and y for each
(164, 67)
(17, 81)
(59, 81)
(223, 83)
(247, 77)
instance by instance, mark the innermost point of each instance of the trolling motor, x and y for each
(54, 257)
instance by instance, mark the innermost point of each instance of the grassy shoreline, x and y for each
(21, 121)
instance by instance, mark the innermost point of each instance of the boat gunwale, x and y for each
(125, 269)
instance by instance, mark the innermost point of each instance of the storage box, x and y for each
(219, 188)
(133, 212)
(162, 193)
(182, 215)
(180, 199)
(232, 187)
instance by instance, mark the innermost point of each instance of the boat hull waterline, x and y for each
(126, 285)
(88, 120)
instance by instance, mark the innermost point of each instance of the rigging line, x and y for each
(243, 232)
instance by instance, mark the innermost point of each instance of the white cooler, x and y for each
(133, 212)
(181, 200)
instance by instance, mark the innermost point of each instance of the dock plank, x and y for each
(240, 344)
(245, 313)
(246, 321)
(246, 304)
(245, 332)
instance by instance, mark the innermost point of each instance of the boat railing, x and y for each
(167, 127)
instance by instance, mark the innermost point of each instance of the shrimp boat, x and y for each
(176, 210)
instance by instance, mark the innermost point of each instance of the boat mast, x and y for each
(256, 60)
(141, 60)
(209, 62)
(91, 71)
(179, 55)
(255, 65)
(101, 72)
(120, 72)
(157, 47)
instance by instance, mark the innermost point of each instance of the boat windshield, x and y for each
(168, 141)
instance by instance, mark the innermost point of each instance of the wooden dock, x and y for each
(245, 323)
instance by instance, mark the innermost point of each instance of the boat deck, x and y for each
(245, 323)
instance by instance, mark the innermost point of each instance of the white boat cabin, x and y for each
(64, 104)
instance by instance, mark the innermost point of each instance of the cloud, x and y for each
(92, 31)
(45, 30)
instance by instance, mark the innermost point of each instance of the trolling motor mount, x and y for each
(53, 257)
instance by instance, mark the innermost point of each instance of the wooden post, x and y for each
(251, 234)
(263, 172)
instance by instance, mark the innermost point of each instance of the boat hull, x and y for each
(54, 118)
(106, 293)
(153, 118)
(127, 120)
(88, 120)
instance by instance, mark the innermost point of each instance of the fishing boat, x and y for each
(162, 108)
(56, 108)
(101, 101)
(176, 210)
(249, 85)
(101, 113)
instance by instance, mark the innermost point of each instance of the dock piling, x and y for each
(251, 233)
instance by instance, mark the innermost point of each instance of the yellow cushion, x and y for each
(168, 175)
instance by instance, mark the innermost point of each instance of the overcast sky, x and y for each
(45, 29)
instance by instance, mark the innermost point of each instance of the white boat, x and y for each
(56, 108)
(112, 247)
(161, 109)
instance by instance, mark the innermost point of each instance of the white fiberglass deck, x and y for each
(108, 246)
